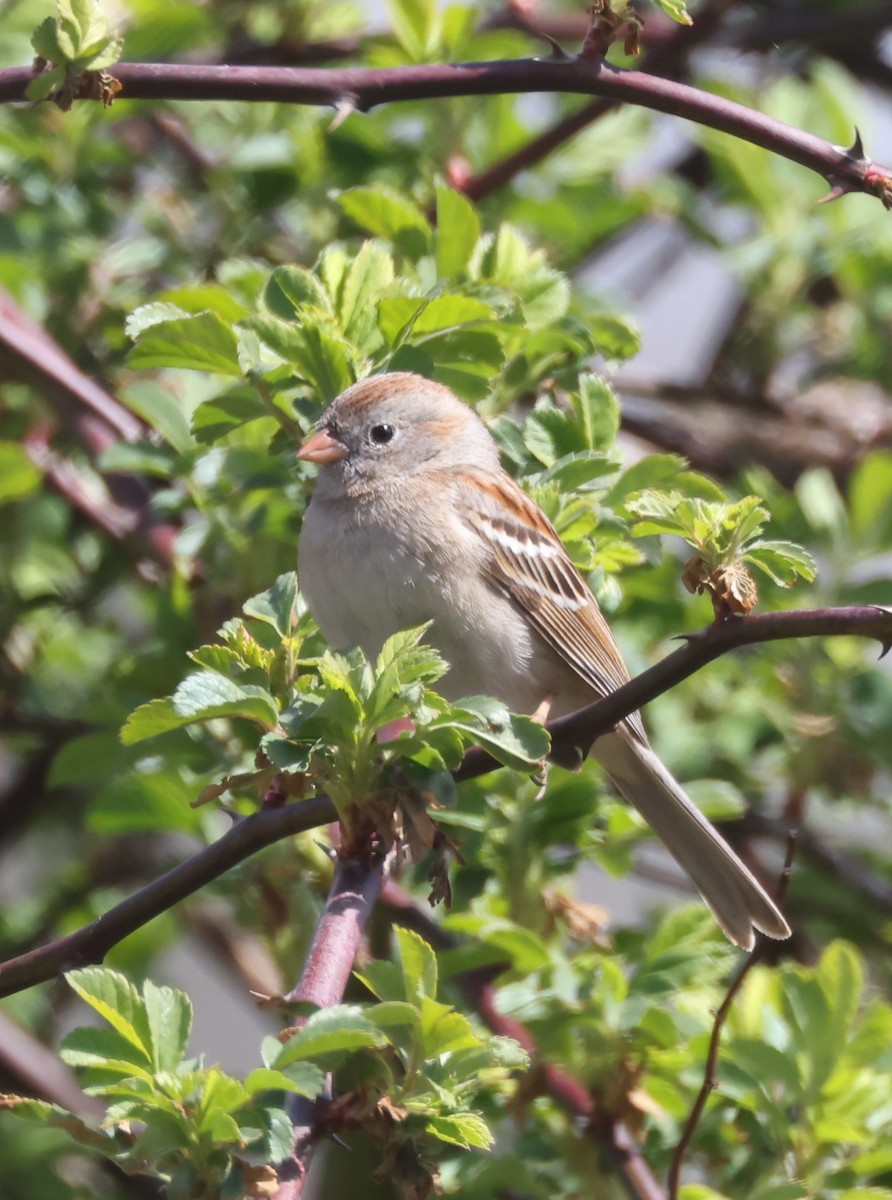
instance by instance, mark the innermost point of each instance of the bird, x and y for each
(412, 520)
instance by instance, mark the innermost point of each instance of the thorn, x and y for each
(834, 194)
(558, 53)
(328, 851)
(343, 107)
(856, 150)
(887, 646)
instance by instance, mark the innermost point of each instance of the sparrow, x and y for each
(413, 520)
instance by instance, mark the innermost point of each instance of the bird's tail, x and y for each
(735, 896)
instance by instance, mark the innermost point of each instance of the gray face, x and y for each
(392, 426)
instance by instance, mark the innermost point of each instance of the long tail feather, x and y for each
(736, 897)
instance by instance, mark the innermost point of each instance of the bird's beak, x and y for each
(322, 448)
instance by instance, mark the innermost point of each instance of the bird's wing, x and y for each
(528, 563)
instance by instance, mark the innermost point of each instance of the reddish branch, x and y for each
(354, 890)
(571, 734)
(363, 88)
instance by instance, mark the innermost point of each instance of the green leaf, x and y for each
(676, 10)
(157, 716)
(105, 1049)
(370, 273)
(277, 606)
(330, 1034)
(458, 231)
(117, 1001)
(321, 356)
(387, 213)
(443, 1029)
(204, 342)
(217, 418)
(290, 288)
(19, 477)
(461, 1129)
(52, 1116)
(206, 694)
(516, 741)
(783, 562)
(302, 1078)
(419, 964)
(163, 411)
(169, 1015)
(416, 26)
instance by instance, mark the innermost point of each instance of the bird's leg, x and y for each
(540, 716)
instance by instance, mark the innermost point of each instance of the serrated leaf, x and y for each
(105, 1048)
(117, 1001)
(783, 562)
(458, 231)
(330, 1034)
(444, 1029)
(302, 1078)
(169, 1016)
(461, 1129)
(203, 342)
(369, 274)
(319, 354)
(277, 606)
(386, 213)
(516, 741)
(217, 418)
(206, 694)
(157, 716)
(419, 965)
(289, 288)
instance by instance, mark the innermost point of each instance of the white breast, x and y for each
(363, 583)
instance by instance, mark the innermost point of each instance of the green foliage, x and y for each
(77, 39)
(262, 261)
(194, 1121)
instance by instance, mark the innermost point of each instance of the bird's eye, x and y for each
(381, 434)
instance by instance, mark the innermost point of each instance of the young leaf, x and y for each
(330, 1034)
(458, 230)
(204, 342)
(117, 1001)
(277, 606)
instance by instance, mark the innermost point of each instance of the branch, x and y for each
(354, 890)
(573, 734)
(92, 942)
(364, 88)
(715, 1039)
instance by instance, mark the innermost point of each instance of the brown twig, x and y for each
(354, 889)
(363, 88)
(575, 733)
(91, 943)
(721, 1016)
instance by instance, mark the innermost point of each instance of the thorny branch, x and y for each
(351, 898)
(571, 735)
(363, 88)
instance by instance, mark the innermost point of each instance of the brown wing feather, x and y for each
(529, 564)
